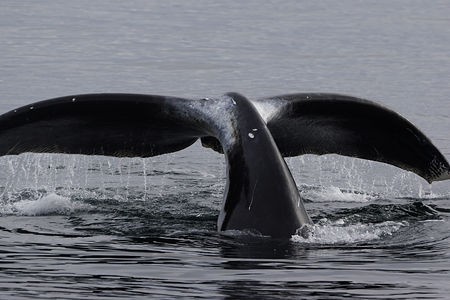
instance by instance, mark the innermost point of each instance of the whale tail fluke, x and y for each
(254, 136)
(98, 124)
(330, 123)
(148, 125)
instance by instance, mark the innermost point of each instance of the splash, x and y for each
(357, 175)
(51, 204)
(335, 194)
(338, 232)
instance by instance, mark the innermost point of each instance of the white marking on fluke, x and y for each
(267, 108)
(253, 195)
(251, 135)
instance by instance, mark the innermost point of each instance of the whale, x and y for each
(253, 135)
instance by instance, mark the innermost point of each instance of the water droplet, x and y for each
(31, 107)
(15, 110)
(254, 129)
(234, 102)
(206, 99)
(251, 135)
(74, 99)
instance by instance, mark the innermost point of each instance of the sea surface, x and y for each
(92, 227)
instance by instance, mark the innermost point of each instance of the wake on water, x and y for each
(179, 196)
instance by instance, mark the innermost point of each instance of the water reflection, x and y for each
(261, 248)
(339, 289)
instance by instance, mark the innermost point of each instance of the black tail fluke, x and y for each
(98, 124)
(329, 123)
(147, 125)
(261, 193)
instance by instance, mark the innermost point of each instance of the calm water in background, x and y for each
(94, 227)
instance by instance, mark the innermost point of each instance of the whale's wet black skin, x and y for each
(254, 136)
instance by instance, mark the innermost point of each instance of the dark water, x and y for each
(77, 227)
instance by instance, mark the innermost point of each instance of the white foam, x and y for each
(50, 204)
(335, 194)
(338, 232)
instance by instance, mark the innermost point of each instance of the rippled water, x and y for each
(75, 227)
